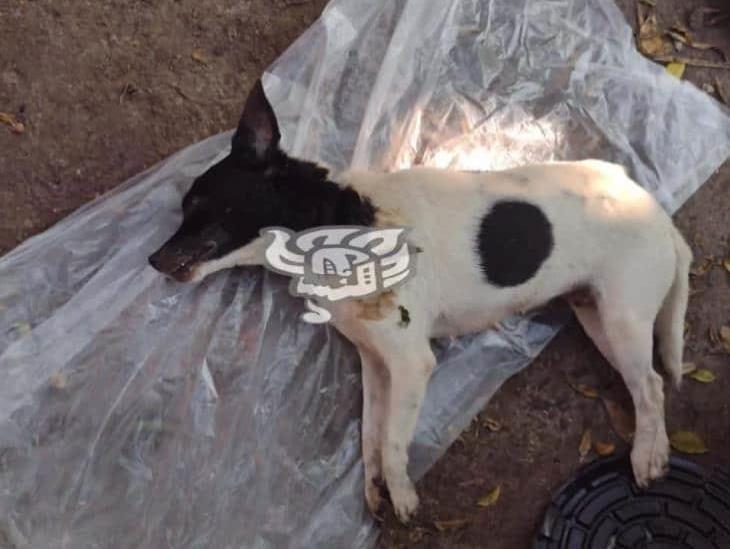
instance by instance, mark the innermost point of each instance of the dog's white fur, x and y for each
(610, 237)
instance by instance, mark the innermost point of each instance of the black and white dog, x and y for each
(492, 244)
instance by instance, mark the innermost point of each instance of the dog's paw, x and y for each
(650, 457)
(405, 501)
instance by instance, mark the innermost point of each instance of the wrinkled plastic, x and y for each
(138, 412)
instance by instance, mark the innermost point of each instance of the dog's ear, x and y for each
(257, 136)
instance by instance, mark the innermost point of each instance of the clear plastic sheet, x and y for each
(138, 412)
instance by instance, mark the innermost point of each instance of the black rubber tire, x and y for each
(602, 508)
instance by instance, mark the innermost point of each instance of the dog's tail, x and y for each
(670, 320)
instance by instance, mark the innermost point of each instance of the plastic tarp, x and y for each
(139, 412)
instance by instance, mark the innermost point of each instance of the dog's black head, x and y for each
(256, 186)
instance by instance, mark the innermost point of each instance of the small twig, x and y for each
(128, 89)
(180, 92)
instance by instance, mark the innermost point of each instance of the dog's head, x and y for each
(226, 207)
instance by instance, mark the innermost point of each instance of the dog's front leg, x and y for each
(375, 395)
(409, 368)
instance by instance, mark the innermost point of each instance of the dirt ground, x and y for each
(107, 88)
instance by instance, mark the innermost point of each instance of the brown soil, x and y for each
(107, 88)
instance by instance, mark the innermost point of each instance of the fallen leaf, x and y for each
(198, 56)
(621, 422)
(454, 524)
(652, 41)
(9, 120)
(492, 424)
(687, 442)
(585, 443)
(676, 69)
(725, 337)
(688, 368)
(703, 375)
(685, 37)
(58, 380)
(604, 449)
(585, 390)
(416, 535)
(702, 268)
(491, 498)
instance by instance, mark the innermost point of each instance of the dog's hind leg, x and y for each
(631, 342)
(375, 401)
(624, 337)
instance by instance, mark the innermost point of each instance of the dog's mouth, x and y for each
(181, 264)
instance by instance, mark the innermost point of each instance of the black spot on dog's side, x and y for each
(514, 240)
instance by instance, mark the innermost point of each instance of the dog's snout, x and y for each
(154, 261)
(163, 261)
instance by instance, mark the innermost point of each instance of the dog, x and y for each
(490, 244)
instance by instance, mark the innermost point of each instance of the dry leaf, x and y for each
(622, 423)
(604, 449)
(9, 120)
(676, 69)
(702, 268)
(445, 525)
(685, 37)
(703, 375)
(687, 442)
(585, 443)
(652, 41)
(491, 498)
(58, 380)
(492, 424)
(198, 56)
(585, 390)
(688, 368)
(416, 535)
(725, 337)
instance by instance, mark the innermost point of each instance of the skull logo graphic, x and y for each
(334, 263)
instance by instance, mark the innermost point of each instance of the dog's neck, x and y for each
(314, 200)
